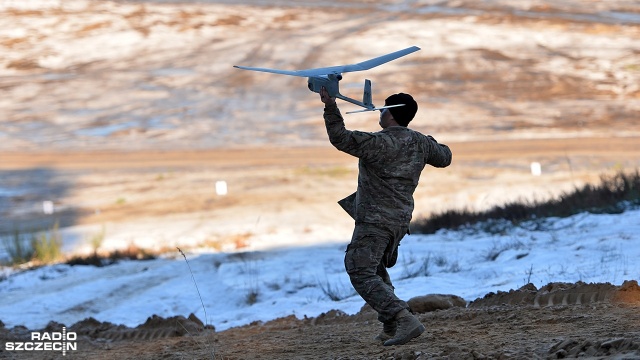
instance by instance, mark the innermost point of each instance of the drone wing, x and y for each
(365, 65)
(274, 71)
(302, 73)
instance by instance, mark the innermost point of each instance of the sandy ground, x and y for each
(273, 194)
(126, 114)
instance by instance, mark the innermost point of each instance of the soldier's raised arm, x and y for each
(439, 155)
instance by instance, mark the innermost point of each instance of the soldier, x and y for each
(390, 164)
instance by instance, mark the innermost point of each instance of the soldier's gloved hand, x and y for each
(325, 98)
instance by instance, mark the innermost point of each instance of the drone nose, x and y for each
(339, 77)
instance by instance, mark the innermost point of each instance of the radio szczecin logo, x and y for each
(46, 341)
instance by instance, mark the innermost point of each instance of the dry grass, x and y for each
(612, 195)
(132, 252)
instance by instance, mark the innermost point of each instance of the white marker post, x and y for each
(221, 188)
(47, 207)
(536, 169)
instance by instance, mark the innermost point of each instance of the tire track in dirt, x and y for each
(564, 294)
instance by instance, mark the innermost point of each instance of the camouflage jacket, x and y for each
(390, 165)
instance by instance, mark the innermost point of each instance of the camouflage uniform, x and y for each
(390, 165)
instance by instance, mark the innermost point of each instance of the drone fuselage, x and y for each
(330, 82)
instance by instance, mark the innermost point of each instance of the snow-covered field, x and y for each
(242, 287)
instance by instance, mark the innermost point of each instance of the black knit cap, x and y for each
(402, 114)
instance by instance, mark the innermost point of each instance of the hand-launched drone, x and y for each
(329, 77)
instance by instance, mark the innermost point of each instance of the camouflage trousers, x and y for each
(373, 249)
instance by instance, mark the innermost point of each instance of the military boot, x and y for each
(409, 327)
(388, 331)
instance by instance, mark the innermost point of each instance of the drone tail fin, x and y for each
(366, 97)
